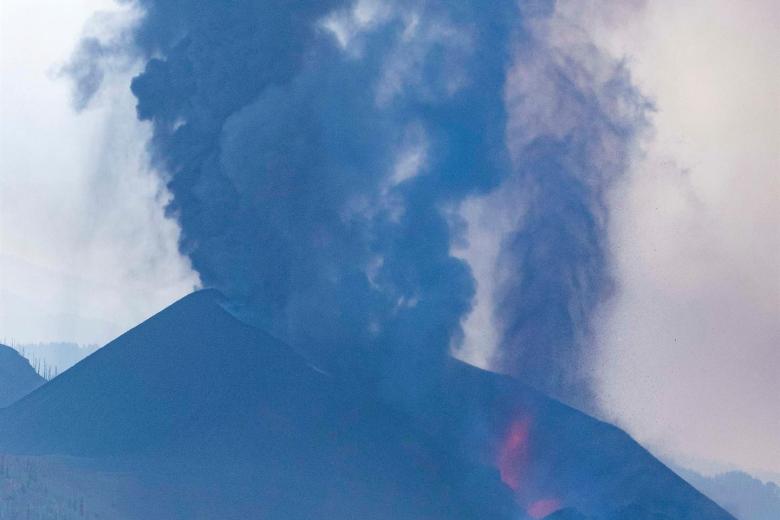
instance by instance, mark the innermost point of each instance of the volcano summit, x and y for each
(213, 418)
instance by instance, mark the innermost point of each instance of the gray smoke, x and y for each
(316, 152)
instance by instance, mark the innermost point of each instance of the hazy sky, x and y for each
(84, 250)
(689, 348)
(691, 343)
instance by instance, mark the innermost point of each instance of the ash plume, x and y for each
(318, 152)
(574, 117)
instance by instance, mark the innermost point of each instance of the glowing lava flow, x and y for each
(512, 461)
(511, 457)
(543, 508)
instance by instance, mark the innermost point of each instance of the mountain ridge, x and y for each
(17, 377)
(195, 393)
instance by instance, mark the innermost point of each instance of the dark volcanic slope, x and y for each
(220, 420)
(555, 457)
(17, 377)
(227, 422)
(178, 368)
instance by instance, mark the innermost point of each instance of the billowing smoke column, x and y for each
(313, 148)
(317, 152)
(573, 119)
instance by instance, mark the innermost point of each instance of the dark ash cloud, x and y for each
(317, 151)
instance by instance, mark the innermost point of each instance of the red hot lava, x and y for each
(513, 453)
(512, 462)
(543, 508)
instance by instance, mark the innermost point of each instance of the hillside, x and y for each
(745, 496)
(217, 419)
(17, 377)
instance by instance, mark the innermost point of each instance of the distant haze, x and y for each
(55, 357)
(690, 352)
(85, 252)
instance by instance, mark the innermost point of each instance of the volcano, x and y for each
(217, 419)
(17, 377)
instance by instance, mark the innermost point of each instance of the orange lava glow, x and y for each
(512, 462)
(542, 508)
(512, 455)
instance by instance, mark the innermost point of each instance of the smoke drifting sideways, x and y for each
(318, 154)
